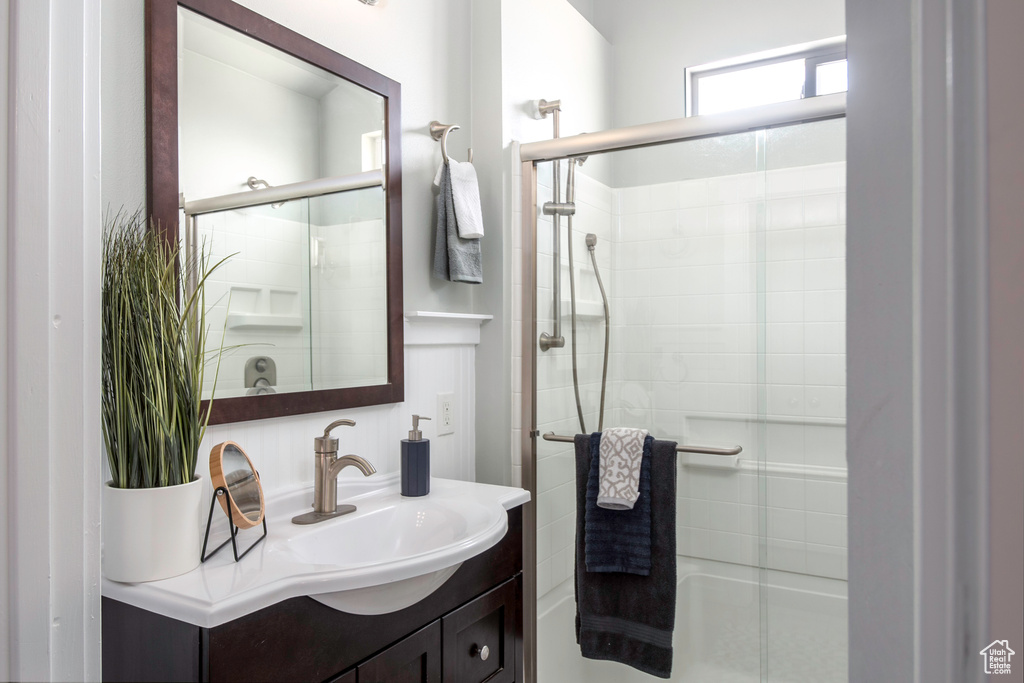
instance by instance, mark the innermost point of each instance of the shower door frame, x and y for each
(632, 137)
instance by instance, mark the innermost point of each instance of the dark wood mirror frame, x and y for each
(162, 183)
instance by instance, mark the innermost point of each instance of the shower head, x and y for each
(591, 241)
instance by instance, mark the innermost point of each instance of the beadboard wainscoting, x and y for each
(440, 357)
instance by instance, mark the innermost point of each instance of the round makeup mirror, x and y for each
(231, 469)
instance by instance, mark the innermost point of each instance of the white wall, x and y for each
(346, 114)
(5, 511)
(574, 66)
(881, 355)
(494, 361)
(233, 125)
(1006, 253)
(52, 342)
(654, 41)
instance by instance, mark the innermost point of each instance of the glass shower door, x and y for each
(678, 239)
(804, 584)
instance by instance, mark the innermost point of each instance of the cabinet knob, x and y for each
(484, 651)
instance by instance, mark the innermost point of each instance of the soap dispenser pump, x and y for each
(416, 461)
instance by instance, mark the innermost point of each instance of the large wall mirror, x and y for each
(282, 156)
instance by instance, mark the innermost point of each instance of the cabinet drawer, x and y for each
(479, 638)
(415, 659)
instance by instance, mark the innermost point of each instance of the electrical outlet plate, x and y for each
(445, 414)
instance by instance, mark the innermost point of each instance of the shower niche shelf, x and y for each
(256, 321)
(264, 308)
(588, 297)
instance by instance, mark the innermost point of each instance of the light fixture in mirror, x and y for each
(285, 158)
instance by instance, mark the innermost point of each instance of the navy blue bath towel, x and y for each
(619, 540)
(624, 617)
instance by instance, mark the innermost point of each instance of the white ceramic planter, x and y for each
(151, 534)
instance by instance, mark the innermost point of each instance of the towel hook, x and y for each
(439, 131)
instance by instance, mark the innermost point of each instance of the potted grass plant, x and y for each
(153, 420)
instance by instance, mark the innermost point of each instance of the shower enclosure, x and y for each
(720, 243)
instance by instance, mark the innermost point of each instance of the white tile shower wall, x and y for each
(266, 253)
(687, 339)
(349, 294)
(684, 297)
(282, 448)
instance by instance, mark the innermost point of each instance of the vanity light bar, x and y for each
(282, 193)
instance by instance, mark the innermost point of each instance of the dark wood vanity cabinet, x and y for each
(468, 631)
(474, 643)
(479, 638)
(414, 659)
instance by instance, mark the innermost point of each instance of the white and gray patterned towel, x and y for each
(622, 450)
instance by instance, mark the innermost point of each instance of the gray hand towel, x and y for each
(455, 259)
(618, 540)
(625, 617)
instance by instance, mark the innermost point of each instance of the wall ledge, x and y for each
(431, 328)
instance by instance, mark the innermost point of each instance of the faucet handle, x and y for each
(327, 443)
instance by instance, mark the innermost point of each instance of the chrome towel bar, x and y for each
(709, 450)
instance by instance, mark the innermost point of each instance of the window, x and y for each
(782, 75)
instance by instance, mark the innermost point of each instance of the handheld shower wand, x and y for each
(591, 243)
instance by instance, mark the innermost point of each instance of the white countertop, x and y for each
(221, 590)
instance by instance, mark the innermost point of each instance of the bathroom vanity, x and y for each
(225, 621)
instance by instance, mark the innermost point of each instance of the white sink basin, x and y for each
(391, 534)
(390, 528)
(388, 554)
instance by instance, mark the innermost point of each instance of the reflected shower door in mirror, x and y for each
(282, 157)
(301, 303)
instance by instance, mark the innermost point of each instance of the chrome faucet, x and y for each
(325, 482)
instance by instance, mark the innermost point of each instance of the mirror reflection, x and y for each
(242, 485)
(301, 303)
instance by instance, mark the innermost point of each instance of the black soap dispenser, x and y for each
(416, 461)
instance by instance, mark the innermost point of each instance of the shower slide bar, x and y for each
(707, 450)
(781, 113)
